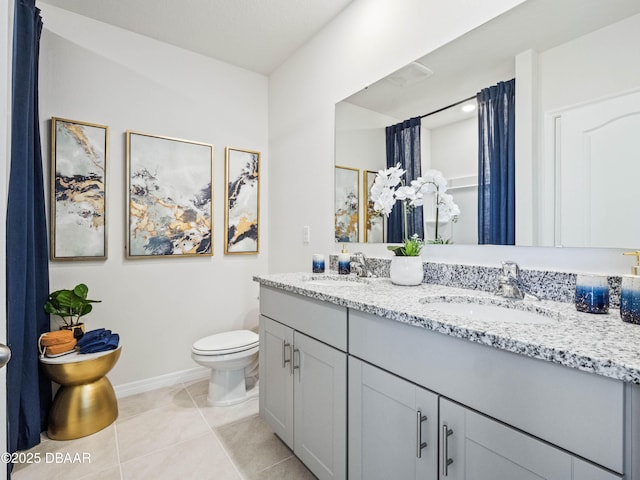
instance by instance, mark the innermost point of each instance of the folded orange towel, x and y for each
(56, 338)
(60, 348)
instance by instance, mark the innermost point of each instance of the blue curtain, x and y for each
(403, 147)
(496, 165)
(27, 274)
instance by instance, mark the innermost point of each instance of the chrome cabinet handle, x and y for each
(445, 461)
(5, 355)
(287, 346)
(296, 366)
(419, 443)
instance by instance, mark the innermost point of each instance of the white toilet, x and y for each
(233, 359)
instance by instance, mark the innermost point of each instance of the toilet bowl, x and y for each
(233, 359)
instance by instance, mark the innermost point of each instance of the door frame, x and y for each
(6, 25)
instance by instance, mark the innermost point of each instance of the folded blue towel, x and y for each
(93, 335)
(100, 340)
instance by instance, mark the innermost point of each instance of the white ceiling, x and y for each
(254, 34)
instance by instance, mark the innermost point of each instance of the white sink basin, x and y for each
(513, 313)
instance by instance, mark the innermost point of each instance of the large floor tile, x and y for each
(218, 416)
(289, 469)
(158, 428)
(109, 474)
(252, 445)
(162, 397)
(201, 458)
(72, 459)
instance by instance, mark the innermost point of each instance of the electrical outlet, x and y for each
(306, 234)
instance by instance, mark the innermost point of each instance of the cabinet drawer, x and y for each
(321, 320)
(578, 411)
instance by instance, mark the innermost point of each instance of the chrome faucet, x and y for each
(510, 283)
(359, 265)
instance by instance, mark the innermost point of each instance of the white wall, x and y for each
(360, 142)
(101, 74)
(453, 149)
(368, 40)
(302, 94)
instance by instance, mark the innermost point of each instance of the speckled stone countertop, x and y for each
(600, 344)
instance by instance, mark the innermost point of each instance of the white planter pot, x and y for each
(406, 270)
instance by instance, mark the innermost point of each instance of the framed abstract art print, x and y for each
(169, 197)
(347, 204)
(78, 223)
(242, 201)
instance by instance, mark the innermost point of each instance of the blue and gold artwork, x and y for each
(78, 224)
(243, 194)
(170, 206)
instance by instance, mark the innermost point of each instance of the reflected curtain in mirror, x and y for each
(403, 147)
(496, 164)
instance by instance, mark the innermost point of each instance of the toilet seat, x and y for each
(226, 343)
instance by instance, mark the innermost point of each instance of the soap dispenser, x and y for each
(630, 293)
(344, 260)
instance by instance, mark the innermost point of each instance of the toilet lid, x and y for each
(227, 342)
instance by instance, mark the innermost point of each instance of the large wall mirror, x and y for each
(577, 70)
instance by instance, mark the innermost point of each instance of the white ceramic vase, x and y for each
(406, 270)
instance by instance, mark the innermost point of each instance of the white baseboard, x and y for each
(168, 380)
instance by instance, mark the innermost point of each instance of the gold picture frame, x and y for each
(78, 208)
(242, 201)
(169, 197)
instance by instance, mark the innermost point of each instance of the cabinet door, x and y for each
(392, 426)
(475, 447)
(276, 378)
(320, 407)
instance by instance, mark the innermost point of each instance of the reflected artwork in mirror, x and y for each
(374, 222)
(576, 61)
(347, 202)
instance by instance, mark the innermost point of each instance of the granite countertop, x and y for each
(601, 344)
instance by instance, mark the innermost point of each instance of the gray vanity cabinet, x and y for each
(276, 378)
(392, 426)
(303, 379)
(473, 446)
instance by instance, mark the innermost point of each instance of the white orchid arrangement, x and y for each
(389, 187)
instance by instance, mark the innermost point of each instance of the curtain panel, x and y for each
(496, 164)
(27, 269)
(403, 147)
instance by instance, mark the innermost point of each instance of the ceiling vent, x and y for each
(410, 74)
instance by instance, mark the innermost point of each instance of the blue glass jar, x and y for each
(318, 263)
(630, 299)
(344, 262)
(592, 293)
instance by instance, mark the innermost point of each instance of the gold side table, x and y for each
(85, 402)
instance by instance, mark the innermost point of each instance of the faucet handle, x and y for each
(510, 268)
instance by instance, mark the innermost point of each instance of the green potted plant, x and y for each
(410, 248)
(70, 305)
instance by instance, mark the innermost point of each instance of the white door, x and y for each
(393, 426)
(276, 378)
(598, 167)
(320, 407)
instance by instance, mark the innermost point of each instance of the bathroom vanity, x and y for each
(367, 380)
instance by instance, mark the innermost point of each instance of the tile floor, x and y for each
(167, 434)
